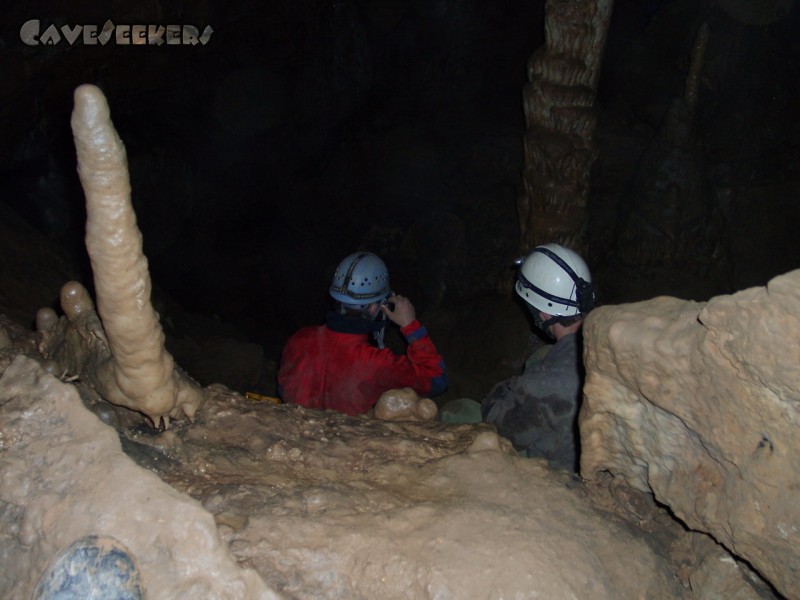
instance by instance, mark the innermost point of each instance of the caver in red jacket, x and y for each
(328, 367)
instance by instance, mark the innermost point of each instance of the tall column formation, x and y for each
(560, 121)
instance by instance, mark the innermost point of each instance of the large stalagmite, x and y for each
(139, 372)
(700, 403)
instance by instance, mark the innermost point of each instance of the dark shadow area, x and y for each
(303, 131)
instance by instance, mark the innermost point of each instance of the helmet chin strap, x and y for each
(378, 337)
(377, 319)
(542, 325)
(380, 317)
(546, 325)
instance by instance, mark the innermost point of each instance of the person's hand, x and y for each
(403, 312)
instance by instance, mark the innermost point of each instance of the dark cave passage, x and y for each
(302, 132)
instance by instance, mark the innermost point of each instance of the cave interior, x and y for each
(303, 131)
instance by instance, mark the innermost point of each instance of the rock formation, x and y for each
(404, 404)
(558, 102)
(136, 371)
(63, 477)
(256, 500)
(668, 216)
(698, 403)
(319, 505)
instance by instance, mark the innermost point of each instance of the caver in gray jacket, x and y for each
(538, 410)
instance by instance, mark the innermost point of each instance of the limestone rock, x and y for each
(311, 504)
(404, 403)
(81, 484)
(698, 402)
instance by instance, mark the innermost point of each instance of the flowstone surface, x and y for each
(254, 500)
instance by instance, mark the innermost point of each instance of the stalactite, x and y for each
(558, 103)
(668, 219)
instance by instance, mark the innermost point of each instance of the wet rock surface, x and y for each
(258, 500)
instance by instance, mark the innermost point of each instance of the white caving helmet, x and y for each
(556, 281)
(361, 278)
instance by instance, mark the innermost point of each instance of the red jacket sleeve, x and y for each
(422, 368)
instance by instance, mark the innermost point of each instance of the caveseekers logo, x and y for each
(123, 35)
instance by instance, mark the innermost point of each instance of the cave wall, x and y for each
(736, 155)
(697, 402)
(301, 131)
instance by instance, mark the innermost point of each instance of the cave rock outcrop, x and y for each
(256, 500)
(700, 404)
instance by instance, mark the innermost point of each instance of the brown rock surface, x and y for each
(63, 476)
(320, 505)
(698, 402)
